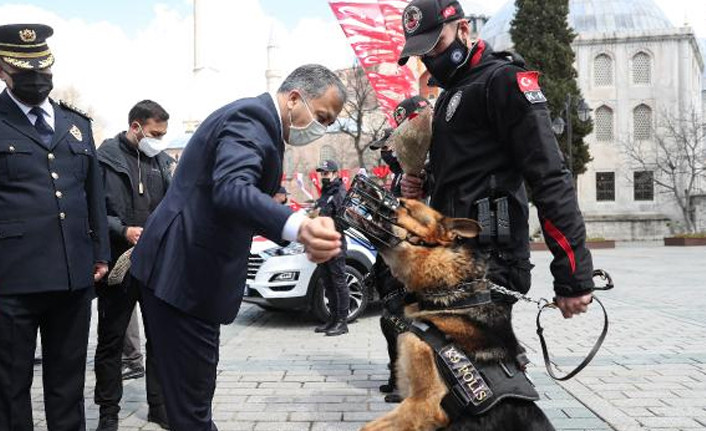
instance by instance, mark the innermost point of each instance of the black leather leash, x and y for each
(545, 352)
(543, 304)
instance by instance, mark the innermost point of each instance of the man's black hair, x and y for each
(145, 110)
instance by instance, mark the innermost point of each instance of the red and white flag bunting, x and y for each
(374, 30)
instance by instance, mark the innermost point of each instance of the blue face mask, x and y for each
(300, 136)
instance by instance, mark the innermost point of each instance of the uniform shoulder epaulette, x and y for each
(74, 109)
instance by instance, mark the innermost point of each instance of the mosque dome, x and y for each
(586, 16)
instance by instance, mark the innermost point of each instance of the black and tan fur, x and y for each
(432, 260)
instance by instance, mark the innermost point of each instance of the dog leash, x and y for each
(544, 304)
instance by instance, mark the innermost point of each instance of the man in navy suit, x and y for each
(192, 257)
(53, 236)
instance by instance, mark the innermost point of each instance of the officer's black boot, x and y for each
(391, 384)
(326, 326)
(108, 423)
(340, 328)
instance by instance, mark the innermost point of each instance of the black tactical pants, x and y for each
(115, 306)
(391, 292)
(335, 286)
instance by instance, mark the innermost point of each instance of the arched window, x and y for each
(603, 70)
(327, 152)
(641, 68)
(642, 122)
(604, 124)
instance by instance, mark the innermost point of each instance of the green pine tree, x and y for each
(541, 34)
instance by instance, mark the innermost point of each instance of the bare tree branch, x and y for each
(676, 156)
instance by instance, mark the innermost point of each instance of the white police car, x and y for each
(283, 278)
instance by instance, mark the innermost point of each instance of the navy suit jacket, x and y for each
(53, 224)
(194, 249)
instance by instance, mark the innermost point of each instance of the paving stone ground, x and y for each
(276, 374)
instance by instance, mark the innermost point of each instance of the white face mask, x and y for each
(300, 136)
(151, 146)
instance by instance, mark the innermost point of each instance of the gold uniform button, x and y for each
(50, 156)
(55, 175)
(62, 216)
(59, 194)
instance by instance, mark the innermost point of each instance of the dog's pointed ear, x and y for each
(462, 227)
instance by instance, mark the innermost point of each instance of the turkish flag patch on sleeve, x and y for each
(529, 86)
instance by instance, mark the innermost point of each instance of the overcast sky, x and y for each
(117, 52)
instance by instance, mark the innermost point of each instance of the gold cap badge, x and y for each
(76, 132)
(28, 35)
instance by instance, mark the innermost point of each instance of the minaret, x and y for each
(273, 74)
(204, 73)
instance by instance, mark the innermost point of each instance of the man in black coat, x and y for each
(53, 236)
(491, 137)
(136, 174)
(191, 260)
(333, 192)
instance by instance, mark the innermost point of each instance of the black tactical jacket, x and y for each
(489, 130)
(331, 201)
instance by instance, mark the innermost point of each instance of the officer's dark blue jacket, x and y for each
(194, 249)
(53, 224)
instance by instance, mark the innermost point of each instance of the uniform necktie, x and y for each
(45, 131)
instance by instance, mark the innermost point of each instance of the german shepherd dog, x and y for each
(432, 259)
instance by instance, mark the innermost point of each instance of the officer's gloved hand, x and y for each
(412, 186)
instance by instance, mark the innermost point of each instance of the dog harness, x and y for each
(474, 388)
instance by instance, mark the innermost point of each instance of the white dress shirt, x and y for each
(46, 106)
(294, 222)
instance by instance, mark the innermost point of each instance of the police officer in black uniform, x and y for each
(390, 290)
(53, 236)
(491, 137)
(334, 271)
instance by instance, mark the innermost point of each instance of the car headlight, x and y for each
(290, 250)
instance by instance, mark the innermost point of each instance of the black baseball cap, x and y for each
(408, 107)
(282, 190)
(24, 46)
(327, 166)
(422, 22)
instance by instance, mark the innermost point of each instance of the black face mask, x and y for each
(31, 87)
(444, 66)
(325, 182)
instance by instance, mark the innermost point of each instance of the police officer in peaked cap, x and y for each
(333, 192)
(491, 136)
(53, 235)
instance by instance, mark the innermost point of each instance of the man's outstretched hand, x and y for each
(571, 306)
(320, 239)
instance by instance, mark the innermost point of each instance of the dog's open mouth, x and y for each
(370, 213)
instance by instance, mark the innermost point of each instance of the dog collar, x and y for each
(455, 298)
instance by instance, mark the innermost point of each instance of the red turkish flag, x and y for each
(528, 81)
(346, 178)
(381, 171)
(314, 177)
(294, 205)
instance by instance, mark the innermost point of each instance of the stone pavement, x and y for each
(276, 374)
